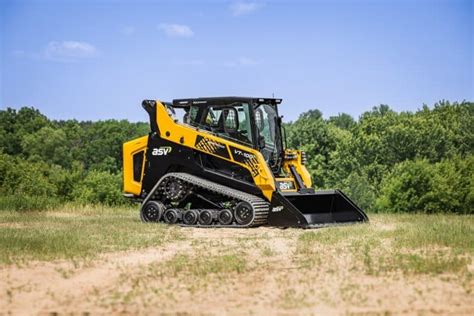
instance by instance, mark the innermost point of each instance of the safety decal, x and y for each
(246, 158)
(211, 146)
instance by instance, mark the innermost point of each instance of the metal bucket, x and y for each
(314, 209)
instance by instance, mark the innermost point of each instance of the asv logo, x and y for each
(162, 151)
(285, 185)
(277, 209)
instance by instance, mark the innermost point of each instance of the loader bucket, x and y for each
(314, 209)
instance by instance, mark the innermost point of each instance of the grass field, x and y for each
(105, 261)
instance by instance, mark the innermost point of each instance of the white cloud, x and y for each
(176, 30)
(69, 51)
(242, 8)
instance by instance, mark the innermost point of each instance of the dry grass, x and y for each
(75, 233)
(396, 264)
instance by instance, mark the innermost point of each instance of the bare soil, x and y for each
(275, 281)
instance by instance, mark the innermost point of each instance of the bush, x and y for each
(453, 186)
(20, 177)
(418, 185)
(99, 187)
(26, 185)
(360, 190)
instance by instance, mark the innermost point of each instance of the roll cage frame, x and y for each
(205, 103)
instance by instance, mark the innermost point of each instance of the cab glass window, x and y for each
(229, 121)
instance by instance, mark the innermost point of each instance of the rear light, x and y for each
(303, 158)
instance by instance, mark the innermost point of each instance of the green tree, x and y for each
(14, 125)
(343, 121)
(311, 134)
(49, 145)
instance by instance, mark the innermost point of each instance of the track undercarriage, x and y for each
(187, 200)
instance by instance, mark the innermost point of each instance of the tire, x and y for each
(243, 213)
(225, 217)
(152, 211)
(190, 217)
(170, 216)
(205, 217)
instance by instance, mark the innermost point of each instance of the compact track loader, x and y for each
(225, 164)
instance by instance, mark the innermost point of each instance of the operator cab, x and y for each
(252, 122)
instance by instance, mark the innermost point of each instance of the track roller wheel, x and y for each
(225, 217)
(170, 216)
(243, 213)
(152, 211)
(190, 217)
(175, 189)
(205, 217)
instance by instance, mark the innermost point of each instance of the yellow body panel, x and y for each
(187, 135)
(129, 149)
(299, 166)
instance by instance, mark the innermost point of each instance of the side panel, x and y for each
(133, 173)
(206, 142)
(164, 157)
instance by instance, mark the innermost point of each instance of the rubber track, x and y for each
(259, 205)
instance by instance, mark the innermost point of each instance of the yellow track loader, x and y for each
(224, 163)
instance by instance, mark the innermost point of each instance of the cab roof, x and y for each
(184, 103)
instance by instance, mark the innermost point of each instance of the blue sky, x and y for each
(99, 59)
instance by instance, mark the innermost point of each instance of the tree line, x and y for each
(44, 163)
(386, 161)
(394, 162)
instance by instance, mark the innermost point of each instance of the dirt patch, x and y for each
(65, 285)
(274, 279)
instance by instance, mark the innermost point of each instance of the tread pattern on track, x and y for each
(260, 206)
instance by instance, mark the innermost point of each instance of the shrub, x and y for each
(418, 185)
(20, 177)
(99, 187)
(360, 190)
(26, 185)
(453, 186)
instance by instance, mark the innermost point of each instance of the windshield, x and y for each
(228, 121)
(268, 130)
